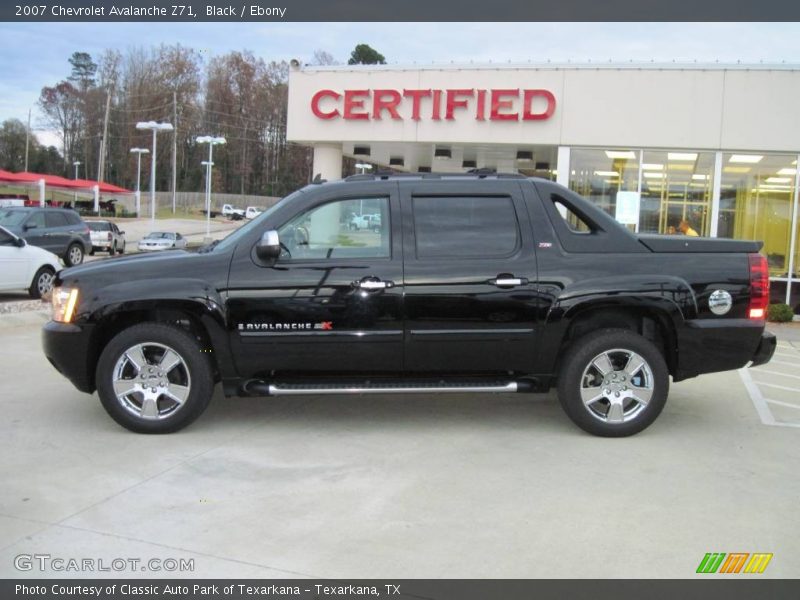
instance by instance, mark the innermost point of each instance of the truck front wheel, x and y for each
(613, 383)
(154, 378)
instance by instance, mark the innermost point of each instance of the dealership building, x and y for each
(654, 144)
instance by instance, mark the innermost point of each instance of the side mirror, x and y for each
(122, 233)
(30, 226)
(20, 242)
(268, 248)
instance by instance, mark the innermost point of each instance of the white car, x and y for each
(252, 212)
(25, 267)
(161, 240)
(106, 237)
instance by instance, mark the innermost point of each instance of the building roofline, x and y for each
(561, 65)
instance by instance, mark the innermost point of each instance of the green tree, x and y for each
(12, 145)
(364, 54)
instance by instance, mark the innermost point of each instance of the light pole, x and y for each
(364, 168)
(211, 141)
(76, 164)
(155, 128)
(139, 152)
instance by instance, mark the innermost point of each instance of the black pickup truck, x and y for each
(471, 283)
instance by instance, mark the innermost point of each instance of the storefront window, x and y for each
(756, 199)
(598, 175)
(676, 191)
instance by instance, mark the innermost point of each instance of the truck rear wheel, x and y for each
(613, 383)
(153, 378)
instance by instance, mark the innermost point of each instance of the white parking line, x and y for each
(779, 387)
(778, 373)
(760, 403)
(779, 403)
(783, 362)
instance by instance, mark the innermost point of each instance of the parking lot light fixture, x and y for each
(156, 128)
(211, 141)
(139, 152)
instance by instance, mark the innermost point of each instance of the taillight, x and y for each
(109, 236)
(759, 287)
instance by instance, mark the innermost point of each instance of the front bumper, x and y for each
(68, 348)
(765, 350)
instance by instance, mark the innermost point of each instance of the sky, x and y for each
(35, 54)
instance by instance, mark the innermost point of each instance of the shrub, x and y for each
(780, 313)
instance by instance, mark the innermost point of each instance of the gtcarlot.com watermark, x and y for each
(60, 564)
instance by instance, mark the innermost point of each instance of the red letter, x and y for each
(481, 108)
(498, 105)
(352, 102)
(527, 110)
(315, 104)
(452, 103)
(437, 105)
(391, 105)
(416, 96)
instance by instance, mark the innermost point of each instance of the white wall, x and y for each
(697, 108)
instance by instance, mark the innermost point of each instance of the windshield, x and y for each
(12, 218)
(158, 235)
(99, 226)
(231, 240)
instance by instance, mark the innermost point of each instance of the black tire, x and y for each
(628, 415)
(200, 380)
(42, 282)
(74, 254)
(113, 250)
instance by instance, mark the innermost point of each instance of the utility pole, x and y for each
(27, 139)
(174, 149)
(102, 159)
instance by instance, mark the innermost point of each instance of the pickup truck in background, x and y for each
(477, 283)
(106, 237)
(251, 212)
(231, 212)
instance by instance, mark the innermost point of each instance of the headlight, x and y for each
(64, 302)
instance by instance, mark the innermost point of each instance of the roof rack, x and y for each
(471, 174)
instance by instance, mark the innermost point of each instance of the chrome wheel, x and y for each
(151, 381)
(44, 283)
(75, 255)
(616, 386)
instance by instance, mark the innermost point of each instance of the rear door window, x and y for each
(56, 219)
(465, 226)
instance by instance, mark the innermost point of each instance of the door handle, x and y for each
(373, 284)
(508, 281)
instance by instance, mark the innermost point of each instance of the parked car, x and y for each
(252, 212)
(161, 240)
(487, 287)
(106, 237)
(25, 267)
(57, 230)
(230, 211)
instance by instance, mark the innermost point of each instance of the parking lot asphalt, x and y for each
(391, 486)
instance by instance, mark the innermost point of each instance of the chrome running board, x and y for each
(367, 387)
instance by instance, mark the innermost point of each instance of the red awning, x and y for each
(61, 182)
(105, 188)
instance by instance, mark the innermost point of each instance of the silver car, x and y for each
(161, 240)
